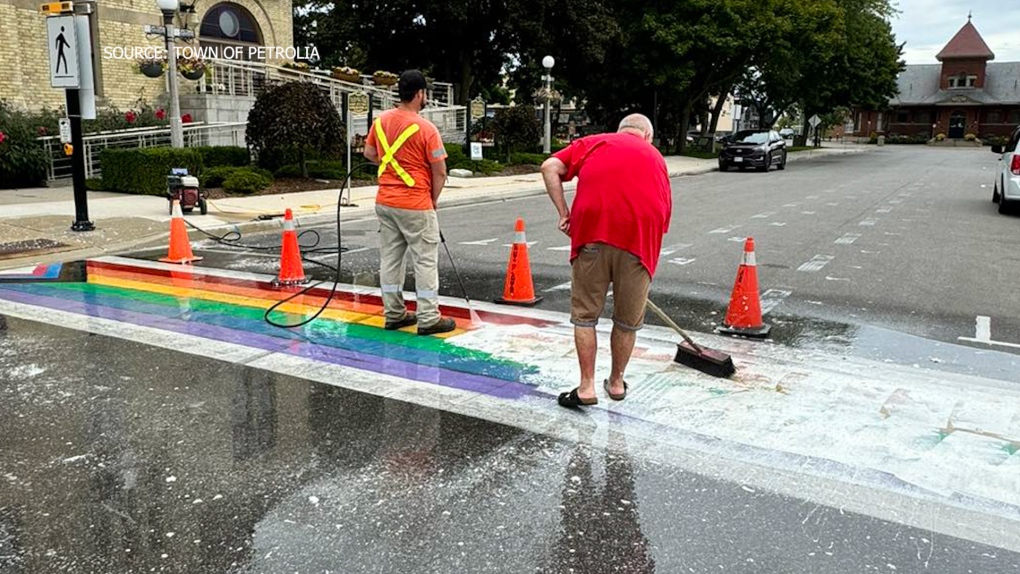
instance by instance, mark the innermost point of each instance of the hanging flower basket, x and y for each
(347, 75)
(191, 68)
(384, 78)
(151, 68)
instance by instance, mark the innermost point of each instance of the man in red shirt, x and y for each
(620, 213)
(412, 172)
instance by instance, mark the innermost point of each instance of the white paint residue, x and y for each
(74, 458)
(171, 479)
(314, 500)
(482, 242)
(848, 239)
(816, 264)
(683, 260)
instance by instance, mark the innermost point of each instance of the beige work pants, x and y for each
(415, 231)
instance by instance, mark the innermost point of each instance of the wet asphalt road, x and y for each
(891, 255)
(120, 457)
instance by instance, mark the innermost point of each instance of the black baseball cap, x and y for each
(410, 82)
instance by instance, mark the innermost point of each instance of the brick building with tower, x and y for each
(966, 93)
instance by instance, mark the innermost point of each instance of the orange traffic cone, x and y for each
(518, 288)
(180, 246)
(744, 314)
(291, 270)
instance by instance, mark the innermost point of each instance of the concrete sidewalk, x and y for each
(35, 223)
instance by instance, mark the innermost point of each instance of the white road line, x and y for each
(530, 243)
(479, 242)
(808, 212)
(772, 298)
(884, 210)
(737, 239)
(671, 249)
(721, 230)
(358, 250)
(832, 204)
(866, 252)
(983, 334)
(560, 287)
(240, 252)
(765, 215)
(811, 197)
(563, 248)
(778, 224)
(816, 264)
(791, 205)
(868, 223)
(827, 278)
(895, 201)
(848, 239)
(683, 260)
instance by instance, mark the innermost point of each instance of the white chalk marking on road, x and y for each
(530, 243)
(983, 334)
(808, 212)
(848, 239)
(892, 233)
(721, 230)
(479, 242)
(772, 298)
(827, 278)
(811, 197)
(791, 205)
(832, 204)
(870, 252)
(563, 248)
(765, 215)
(778, 224)
(683, 260)
(895, 201)
(868, 223)
(737, 239)
(816, 264)
(560, 287)
(671, 249)
(884, 210)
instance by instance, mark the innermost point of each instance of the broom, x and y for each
(689, 353)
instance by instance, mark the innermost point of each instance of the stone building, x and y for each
(24, 78)
(966, 93)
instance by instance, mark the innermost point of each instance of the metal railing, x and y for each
(195, 135)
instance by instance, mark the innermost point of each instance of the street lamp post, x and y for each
(169, 8)
(548, 62)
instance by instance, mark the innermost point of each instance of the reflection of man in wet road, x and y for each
(600, 529)
(616, 224)
(60, 45)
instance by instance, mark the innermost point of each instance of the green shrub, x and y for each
(214, 176)
(522, 158)
(245, 180)
(216, 156)
(144, 171)
(318, 169)
(94, 184)
(457, 159)
(292, 123)
(23, 159)
(516, 129)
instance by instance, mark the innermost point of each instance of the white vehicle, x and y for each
(1007, 181)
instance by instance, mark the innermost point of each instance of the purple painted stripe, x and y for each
(389, 366)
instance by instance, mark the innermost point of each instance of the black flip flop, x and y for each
(616, 397)
(570, 400)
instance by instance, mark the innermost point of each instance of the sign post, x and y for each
(70, 59)
(814, 121)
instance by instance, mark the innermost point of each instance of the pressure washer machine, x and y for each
(185, 189)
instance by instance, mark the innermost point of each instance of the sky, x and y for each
(928, 25)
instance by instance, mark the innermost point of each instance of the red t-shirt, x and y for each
(623, 195)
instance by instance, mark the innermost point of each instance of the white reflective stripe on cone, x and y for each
(519, 237)
(749, 259)
(288, 225)
(177, 209)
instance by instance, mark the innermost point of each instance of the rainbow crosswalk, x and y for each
(230, 307)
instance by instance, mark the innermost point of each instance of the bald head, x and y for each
(639, 125)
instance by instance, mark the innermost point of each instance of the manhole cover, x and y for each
(34, 246)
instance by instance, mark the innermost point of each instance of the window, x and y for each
(1014, 117)
(922, 118)
(971, 81)
(902, 117)
(993, 117)
(962, 80)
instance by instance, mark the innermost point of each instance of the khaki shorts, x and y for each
(598, 265)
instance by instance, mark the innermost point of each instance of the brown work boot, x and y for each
(408, 320)
(440, 326)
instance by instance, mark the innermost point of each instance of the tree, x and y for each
(516, 129)
(294, 120)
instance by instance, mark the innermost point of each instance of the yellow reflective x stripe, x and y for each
(389, 151)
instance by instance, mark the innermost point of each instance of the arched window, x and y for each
(232, 25)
